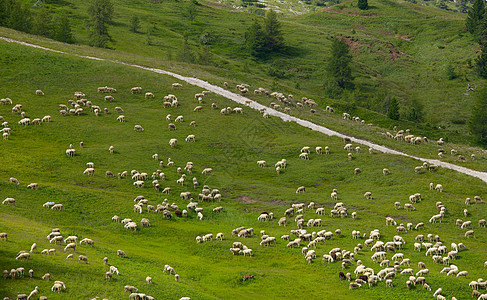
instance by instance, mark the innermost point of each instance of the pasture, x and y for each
(229, 144)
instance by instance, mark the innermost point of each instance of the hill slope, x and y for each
(400, 49)
(230, 144)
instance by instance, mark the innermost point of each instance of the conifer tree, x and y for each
(362, 4)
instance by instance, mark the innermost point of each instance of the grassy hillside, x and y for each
(400, 49)
(231, 145)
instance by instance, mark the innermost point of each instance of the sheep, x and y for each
(89, 171)
(14, 181)
(261, 163)
(304, 156)
(138, 128)
(121, 118)
(139, 183)
(357, 171)
(173, 142)
(149, 95)
(246, 252)
(469, 233)
(368, 195)
(300, 189)
(439, 188)
(82, 258)
(409, 207)
(190, 138)
(9, 201)
(207, 171)
(463, 273)
(386, 171)
(70, 246)
(46, 276)
(145, 222)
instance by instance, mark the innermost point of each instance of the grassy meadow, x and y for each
(399, 48)
(231, 145)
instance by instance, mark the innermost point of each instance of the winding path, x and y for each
(285, 117)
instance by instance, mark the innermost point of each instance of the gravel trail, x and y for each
(285, 117)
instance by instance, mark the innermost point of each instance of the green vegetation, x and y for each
(399, 49)
(338, 65)
(208, 271)
(393, 109)
(475, 16)
(100, 14)
(134, 24)
(263, 41)
(362, 4)
(478, 120)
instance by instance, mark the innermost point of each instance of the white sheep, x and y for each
(89, 171)
(139, 183)
(9, 201)
(207, 171)
(14, 180)
(138, 128)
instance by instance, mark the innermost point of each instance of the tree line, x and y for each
(39, 21)
(476, 24)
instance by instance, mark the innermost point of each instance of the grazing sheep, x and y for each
(33, 185)
(190, 138)
(439, 188)
(357, 171)
(207, 171)
(14, 180)
(23, 256)
(386, 171)
(82, 258)
(89, 171)
(70, 246)
(8, 201)
(138, 128)
(148, 280)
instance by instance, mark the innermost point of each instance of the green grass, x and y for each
(402, 49)
(231, 145)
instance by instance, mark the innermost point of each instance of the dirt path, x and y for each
(285, 117)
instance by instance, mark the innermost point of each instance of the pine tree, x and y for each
(481, 63)
(274, 41)
(42, 22)
(415, 112)
(393, 110)
(338, 67)
(134, 24)
(475, 16)
(362, 4)
(192, 10)
(185, 54)
(62, 29)
(19, 17)
(100, 14)
(255, 40)
(478, 119)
